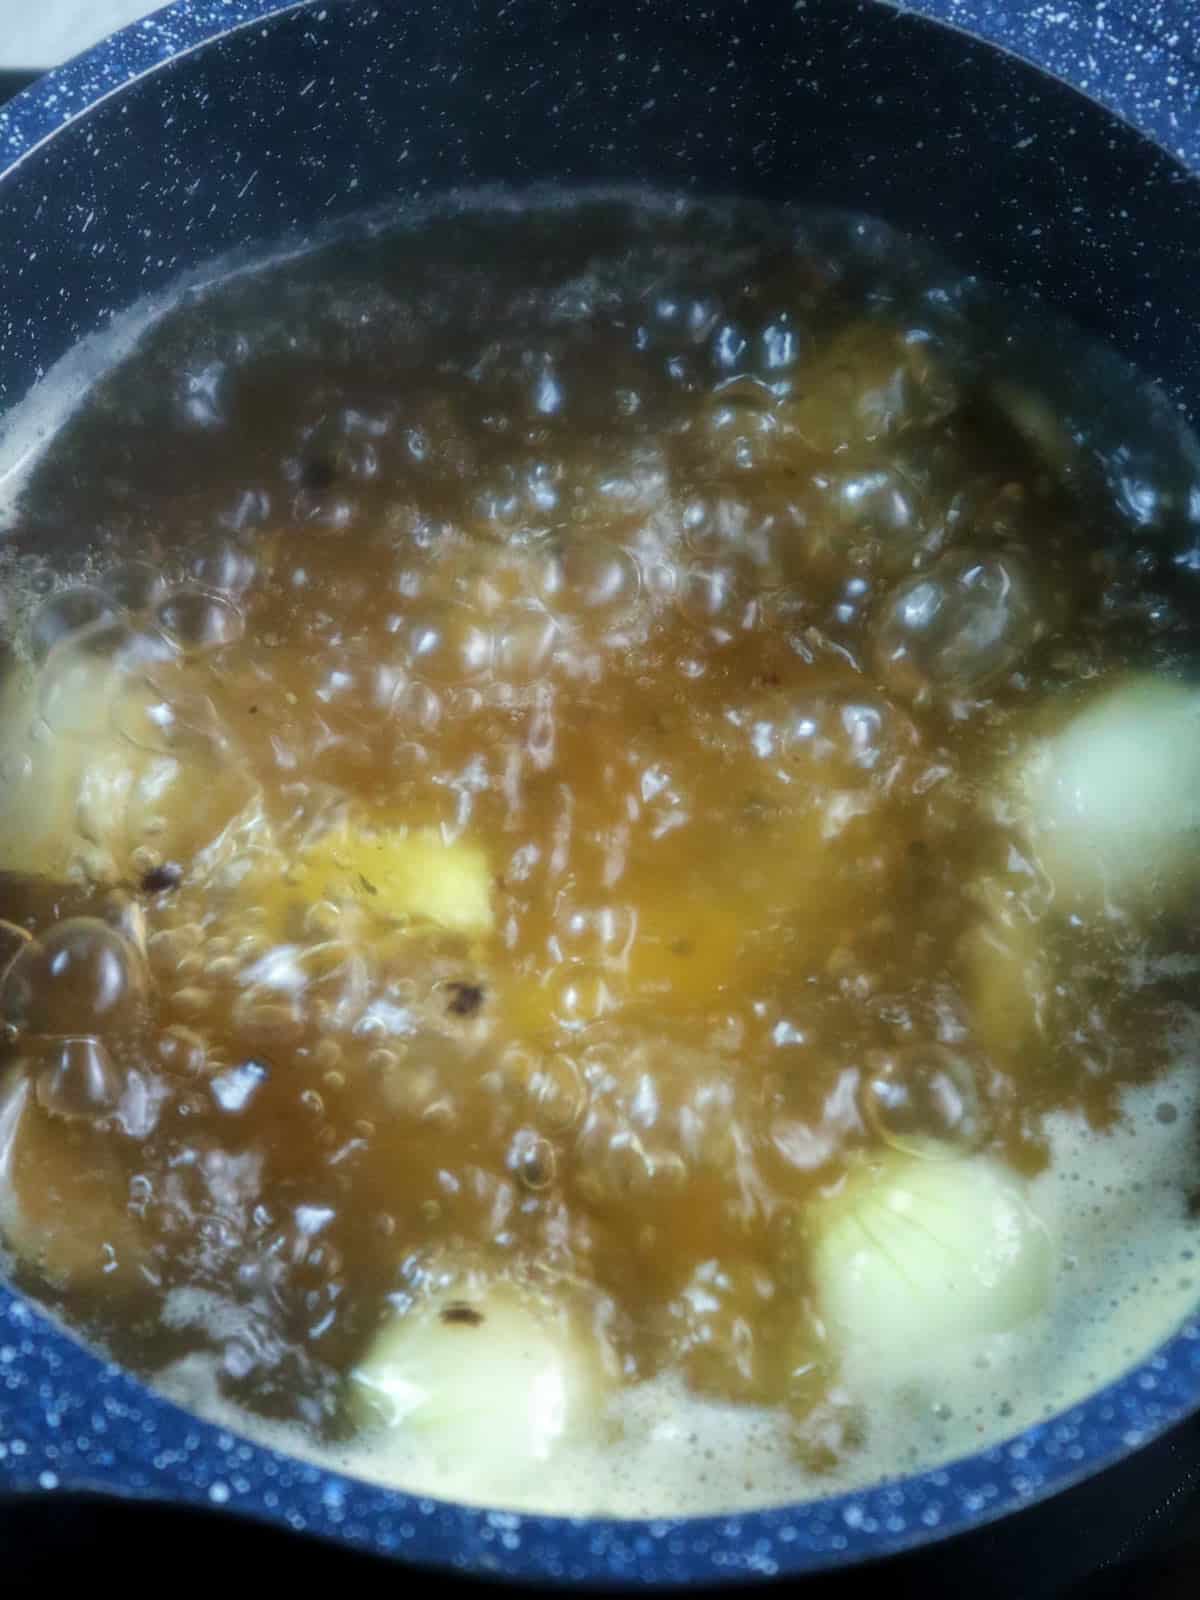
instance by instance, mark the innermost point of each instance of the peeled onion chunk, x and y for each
(1114, 798)
(484, 1381)
(915, 1254)
(103, 753)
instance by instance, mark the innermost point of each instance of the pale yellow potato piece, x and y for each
(1114, 797)
(390, 874)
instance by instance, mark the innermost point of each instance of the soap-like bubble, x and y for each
(444, 644)
(722, 523)
(924, 1101)
(858, 736)
(525, 644)
(556, 1091)
(135, 585)
(76, 1079)
(582, 994)
(714, 596)
(531, 1158)
(959, 626)
(66, 613)
(417, 705)
(741, 425)
(80, 978)
(878, 504)
(199, 620)
(591, 576)
(618, 486)
(837, 738)
(324, 984)
(85, 671)
(225, 567)
(594, 934)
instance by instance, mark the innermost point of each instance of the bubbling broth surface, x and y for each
(556, 887)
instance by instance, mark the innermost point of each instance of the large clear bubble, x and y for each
(66, 613)
(76, 1079)
(85, 671)
(80, 978)
(590, 576)
(135, 585)
(224, 566)
(959, 627)
(199, 620)
(924, 1100)
(444, 643)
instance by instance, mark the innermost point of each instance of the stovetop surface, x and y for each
(56, 1538)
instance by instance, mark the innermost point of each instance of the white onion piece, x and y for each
(915, 1255)
(484, 1382)
(1114, 798)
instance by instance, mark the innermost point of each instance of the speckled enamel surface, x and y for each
(135, 213)
(1141, 58)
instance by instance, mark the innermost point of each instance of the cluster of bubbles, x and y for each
(491, 548)
(191, 614)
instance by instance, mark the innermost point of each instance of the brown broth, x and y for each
(575, 537)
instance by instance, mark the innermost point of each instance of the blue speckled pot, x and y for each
(221, 123)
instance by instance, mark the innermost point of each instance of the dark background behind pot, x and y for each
(1130, 1535)
(1054, 169)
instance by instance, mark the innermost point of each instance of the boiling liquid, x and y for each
(538, 690)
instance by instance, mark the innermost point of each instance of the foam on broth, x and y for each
(516, 733)
(1131, 1282)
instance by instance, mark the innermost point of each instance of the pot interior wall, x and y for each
(338, 108)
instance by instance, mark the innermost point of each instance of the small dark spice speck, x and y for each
(465, 999)
(319, 473)
(159, 879)
(463, 1315)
